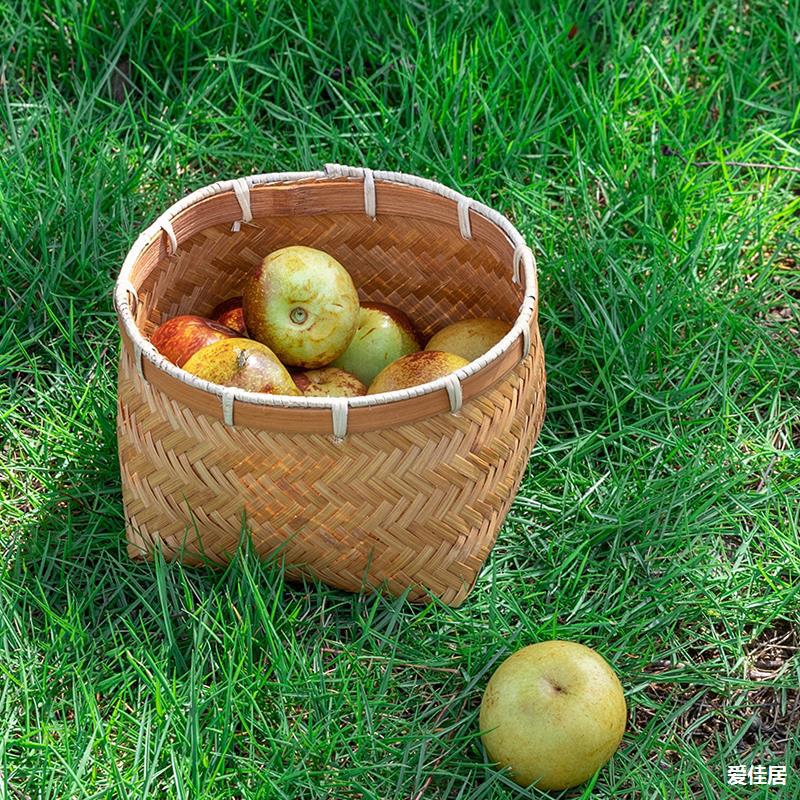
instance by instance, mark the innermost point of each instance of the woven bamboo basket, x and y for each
(398, 491)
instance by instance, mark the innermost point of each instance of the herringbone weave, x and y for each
(403, 506)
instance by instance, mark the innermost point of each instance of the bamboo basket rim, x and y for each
(523, 267)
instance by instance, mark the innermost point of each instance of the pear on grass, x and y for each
(554, 712)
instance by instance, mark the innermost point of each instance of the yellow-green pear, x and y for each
(244, 363)
(302, 304)
(469, 338)
(384, 334)
(553, 712)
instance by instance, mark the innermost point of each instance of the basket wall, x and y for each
(419, 505)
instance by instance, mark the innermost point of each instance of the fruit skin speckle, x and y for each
(230, 313)
(416, 368)
(328, 382)
(301, 303)
(422, 357)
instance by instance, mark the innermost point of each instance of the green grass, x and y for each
(658, 521)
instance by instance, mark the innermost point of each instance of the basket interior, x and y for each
(419, 264)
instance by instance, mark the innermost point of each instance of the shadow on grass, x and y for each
(230, 661)
(69, 568)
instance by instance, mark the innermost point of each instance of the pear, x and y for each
(554, 712)
(415, 368)
(469, 338)
(229, 312)
(302, 304)
(384, 334)
(329, 382)
(179, 338)
(244, 363)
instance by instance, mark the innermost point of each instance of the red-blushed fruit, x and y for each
(384, 334)
(243, 363)
(554, 712)
(328, 382)
(302, 304)
(469, 338)
(230, 313)
(179, 338)
(414, 369)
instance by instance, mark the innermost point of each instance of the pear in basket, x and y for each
(328, 382)
(179, 338)
(384, 334)
(469, 338)
(229, 312)
(302, 304)
(416, 368)
(243, 363)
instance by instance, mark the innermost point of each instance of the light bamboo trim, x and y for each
(463, 217)
(178, 226)
(242, 191)
(402, 490)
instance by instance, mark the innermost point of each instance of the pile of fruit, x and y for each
(298, 328)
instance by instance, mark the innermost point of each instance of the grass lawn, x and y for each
(658, 520)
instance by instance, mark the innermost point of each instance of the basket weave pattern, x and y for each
(398, 502)
(418, 504)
